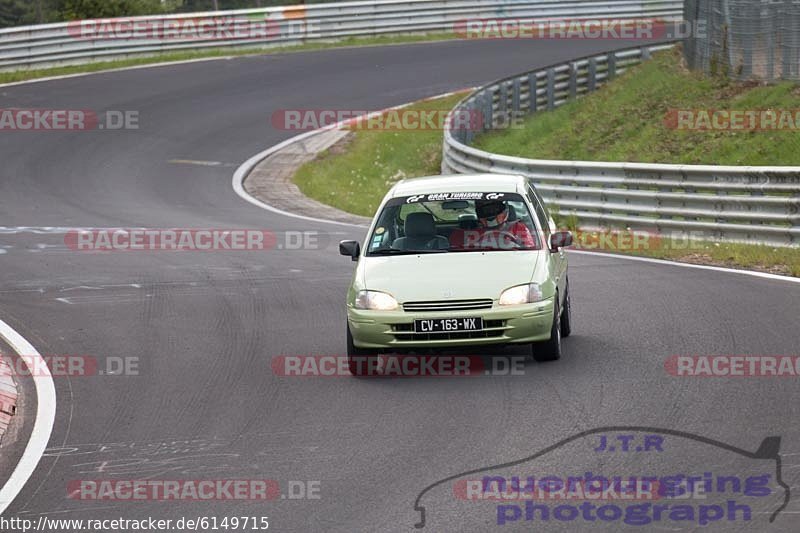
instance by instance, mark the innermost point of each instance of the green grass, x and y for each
(785, 261)
(624, 121)
(383, 40)
(357, 179)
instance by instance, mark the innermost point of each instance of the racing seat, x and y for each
(421, 234)
(512, 214)
(468, 221)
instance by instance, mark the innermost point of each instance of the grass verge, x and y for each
(625, 121)
(168, 57)
(355, 178)
(783, 261)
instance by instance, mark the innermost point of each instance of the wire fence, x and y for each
(745, 39)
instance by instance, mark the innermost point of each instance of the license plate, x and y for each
(439, 325)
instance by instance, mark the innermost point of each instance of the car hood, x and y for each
(446, 276)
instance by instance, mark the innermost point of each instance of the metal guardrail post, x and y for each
(612, 65)
(573, 81)
(488, 111)
(551, 89)
(515, 105)
(475, 120)
(533, 92)
(502, 104)
(592, 81)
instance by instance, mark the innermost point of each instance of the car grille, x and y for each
(491, 328)
(448, 305)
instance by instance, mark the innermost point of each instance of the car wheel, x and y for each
(356, 357)
(566, 314)
(550, 350)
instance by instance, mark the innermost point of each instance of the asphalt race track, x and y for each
(206, 326)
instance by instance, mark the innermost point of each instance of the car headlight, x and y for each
(375, 301)
(521, 294)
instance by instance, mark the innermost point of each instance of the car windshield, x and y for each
(454, 222)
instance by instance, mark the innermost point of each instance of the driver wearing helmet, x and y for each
(494, 230)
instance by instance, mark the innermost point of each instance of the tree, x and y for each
(14, 12)
(87, 9)
(21, 12)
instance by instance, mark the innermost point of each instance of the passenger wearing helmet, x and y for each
(494, 231)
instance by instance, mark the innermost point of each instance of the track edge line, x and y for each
(43, 425)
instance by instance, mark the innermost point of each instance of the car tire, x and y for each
(550, 350)
(356, 357)
(566, 314)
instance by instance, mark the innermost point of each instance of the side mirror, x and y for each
(351, 248)
(560, 239)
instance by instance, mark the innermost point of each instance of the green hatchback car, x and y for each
(454, 261)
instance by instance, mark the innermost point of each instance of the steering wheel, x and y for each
(433, 244)
(514, 238)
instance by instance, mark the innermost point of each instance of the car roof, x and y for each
(508, 183)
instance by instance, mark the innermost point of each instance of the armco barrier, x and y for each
(737, 204)
(84, 41)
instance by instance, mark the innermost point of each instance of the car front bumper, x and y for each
(501, 325)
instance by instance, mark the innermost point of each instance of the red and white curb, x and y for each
(43, 423)
(8, 397)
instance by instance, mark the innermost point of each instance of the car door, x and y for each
(557, 261)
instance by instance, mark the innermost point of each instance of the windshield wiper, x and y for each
(514, 249)
(400, 251)
(435, 216)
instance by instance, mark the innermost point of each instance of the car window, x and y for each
(541, 213)
(449, 222)
(436, 209)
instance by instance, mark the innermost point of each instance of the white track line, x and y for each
(246, 167)
(42, 426)
(119, 69)
(765, 275)
(242, 172)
